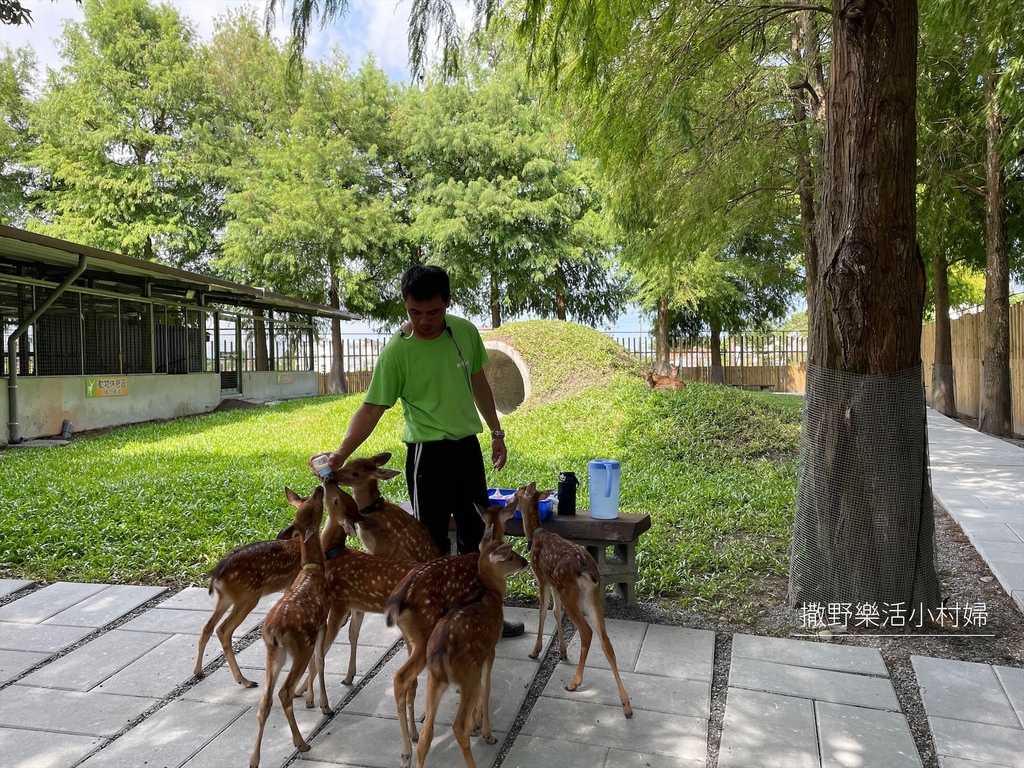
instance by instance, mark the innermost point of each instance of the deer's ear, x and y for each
(381, 459)
(293, 498)
(387, 474)
(488, 535)
(508, 512)
(287, 532)
(501, 552)
(482, 511)
(543, 495)
(367, 523)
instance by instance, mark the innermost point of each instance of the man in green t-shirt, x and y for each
(434, 366)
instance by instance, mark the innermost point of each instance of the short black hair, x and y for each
(423, 282)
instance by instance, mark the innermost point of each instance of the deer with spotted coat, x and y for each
(569, 574)
(295, 628)
(249, 572)
(461, 650)
(419, 602)
(397, 534)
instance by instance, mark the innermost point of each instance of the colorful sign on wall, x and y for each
(112, 386)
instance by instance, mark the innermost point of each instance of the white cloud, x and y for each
(379, 26)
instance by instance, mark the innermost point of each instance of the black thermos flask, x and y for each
(567, 483)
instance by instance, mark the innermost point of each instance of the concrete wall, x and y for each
(45, 401)
(270, 385)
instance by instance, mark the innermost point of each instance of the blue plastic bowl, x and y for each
(500, 495)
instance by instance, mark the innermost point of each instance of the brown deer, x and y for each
(656, 381)
(569, 574)
(247, 573)
(398, 534)
(461, 649)
(295, 627)
(357, 582)
(420, 600)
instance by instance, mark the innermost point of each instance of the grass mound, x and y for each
(564, 359)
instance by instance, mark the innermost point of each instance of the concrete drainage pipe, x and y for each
(508, 376)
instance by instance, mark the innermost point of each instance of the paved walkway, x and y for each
(124, 695)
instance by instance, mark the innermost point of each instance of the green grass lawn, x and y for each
(160, 503)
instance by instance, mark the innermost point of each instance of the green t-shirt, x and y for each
(432, 379)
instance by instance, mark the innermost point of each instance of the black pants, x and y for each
(447, 477)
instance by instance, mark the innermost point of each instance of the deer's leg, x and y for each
(597, 611)
(275, 660)
(556, 600)
(540, 618)
(242, 608)
(435, 689)
(353, 640)
(300, 662)
(586, 635)
(335, 621)
(219, 609)
(469, 696)
(404, 683)
(318, 657)
(484, 700)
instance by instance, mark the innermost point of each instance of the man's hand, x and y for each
(499, 453)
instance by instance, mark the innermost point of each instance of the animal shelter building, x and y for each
(93, 339)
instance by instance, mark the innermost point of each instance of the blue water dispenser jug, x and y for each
(604, 489)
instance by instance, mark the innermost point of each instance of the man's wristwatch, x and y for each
(497, 433)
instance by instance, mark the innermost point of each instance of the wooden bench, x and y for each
(612, 544)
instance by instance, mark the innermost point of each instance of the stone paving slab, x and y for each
(807, 653)
(14, 663)
(1012, 680)
(84, 713)
(43, 638)
(979, 742)
(47, 602)
(158, 672)
(168, 738)
(104, 607)
(595, 724)
(627, 639)
(817, 684)
(961, 690)
(766, 730)
(10, 586)
(30, 749)
(89, 665)
(233, 745)
(856, 736)
(534, 752)
(671, 695)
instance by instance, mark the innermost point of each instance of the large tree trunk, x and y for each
(864, 532)
(994, 414)
(805, 36)
(560, 309)
(662, 366)
(717, 369)
(943, 385)
(495, 304)
(259, 333)
(337, 382)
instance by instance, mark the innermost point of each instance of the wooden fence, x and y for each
(767, 361)
(968, 336)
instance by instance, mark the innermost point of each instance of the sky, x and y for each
(369, 25)
(377, 26)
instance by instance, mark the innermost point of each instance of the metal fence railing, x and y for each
(774, 361)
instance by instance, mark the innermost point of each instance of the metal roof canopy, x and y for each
(148, 279)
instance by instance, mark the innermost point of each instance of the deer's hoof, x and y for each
(627, 710)
(302, 747)
(490, 739)
(247, 684)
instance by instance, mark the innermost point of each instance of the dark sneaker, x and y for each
(512, 629)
